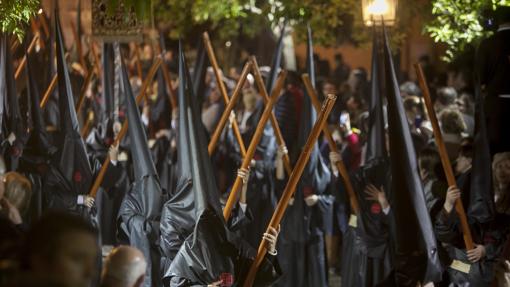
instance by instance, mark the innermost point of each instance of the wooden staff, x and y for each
(123, 130)
(138, 62)
(83, 90)
(79, 50)
(48, 92)
(88, 125)
(447, 167)
(232, 198)
(228, 109)
(332, 146)
(291, 185)
(44, 24)
(95, 55)
(36, 29)
(168, 80)
(223, 90)
(15, 45)
(23, 62)
(276, 127)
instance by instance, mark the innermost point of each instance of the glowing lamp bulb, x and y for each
(378, 7)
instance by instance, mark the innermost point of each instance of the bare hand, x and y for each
(311, 200)
(281, 152)
(334, 157)
(113, 152)
(452, 195)
(88, 201)
(12, 212)
(215, 284)
(375, 194)
(271, 236)
(476, 254)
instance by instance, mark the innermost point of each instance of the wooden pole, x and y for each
(342, 170)
(23, 62)
(44, 24)
(48, 92)
(36, 30)
(138, 62)
(447, 167)
(79, 50)
(232, 198)
(83, 90)
(96, 59)
(228, 109)
(274, 123)
(223, 90)
(88, 124)
(123, 130)
(291, 185)
(168, 81)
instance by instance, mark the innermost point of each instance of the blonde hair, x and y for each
(18, 190)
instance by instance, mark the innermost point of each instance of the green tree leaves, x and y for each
(15, 14)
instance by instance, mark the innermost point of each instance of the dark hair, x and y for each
(430, 161)
(466, 148)
(446, 96)
(44, 237)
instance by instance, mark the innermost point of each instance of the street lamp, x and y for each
(374, 11)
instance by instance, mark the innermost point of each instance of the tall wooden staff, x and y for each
(274, 123)
(232, 198)
(23, 62)
(83, 90)
(138, 61)
(291, 185)
(123, 131)
(447, 167)
(223, 90)
(228, 109)
(332, 146)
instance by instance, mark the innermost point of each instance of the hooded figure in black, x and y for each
(99, 141)
(416, 253)
(366, 256)
(207, 249)
(14, 135)
(141, 208)
(70, 177)
(35, 160)
(302, 250)
(487, 228)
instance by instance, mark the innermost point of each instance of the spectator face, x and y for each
(75, 261)
(463, 164)
(352, 104)
(502, 172)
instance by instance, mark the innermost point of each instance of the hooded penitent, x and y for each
(70, 174)
(416, 254)
(12, 124)
(302, 234)
(210, 248)
(366, 247)
(140, 211)
(199, 71)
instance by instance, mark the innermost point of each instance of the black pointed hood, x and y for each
(108, 59)
(39, 143)
(417, 256)
(481, 202)
(276, 62)
(376, 146)
(13, 122)
(6, 77)
(73, 162)
(200, 70)
(144, 166)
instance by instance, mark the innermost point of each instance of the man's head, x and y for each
(446, 97)
(124, 267)
(18, 190)
(63, 248)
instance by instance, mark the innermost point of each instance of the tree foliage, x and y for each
(460, 23)
(15, 14)
(333, 21)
